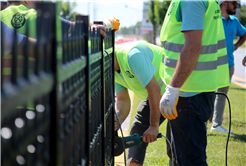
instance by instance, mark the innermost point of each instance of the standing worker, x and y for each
(137, 69)
(232, 29)
(195, 66)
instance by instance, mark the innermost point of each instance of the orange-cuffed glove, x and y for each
(168, 103)
(115, 23)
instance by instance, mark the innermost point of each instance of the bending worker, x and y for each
(195, 66)
(137, 69)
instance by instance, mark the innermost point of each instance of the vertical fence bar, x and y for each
(87, 51)
(113, 87)
(46, 62)
(2, 54)
(39, 34)
(53, 143)
(100, 47)
(26, 52)
(14, 60)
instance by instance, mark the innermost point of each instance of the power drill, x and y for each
(134, 140)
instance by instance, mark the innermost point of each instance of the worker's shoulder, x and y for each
(233, 18)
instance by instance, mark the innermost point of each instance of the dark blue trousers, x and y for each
(189, 129)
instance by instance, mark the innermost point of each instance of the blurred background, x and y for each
(140, 19)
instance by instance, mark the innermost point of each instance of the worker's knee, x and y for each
(138, 128)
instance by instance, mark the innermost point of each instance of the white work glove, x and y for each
(112, 23)
(168, 103)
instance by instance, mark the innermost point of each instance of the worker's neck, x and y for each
(116, 64)
(224, 14)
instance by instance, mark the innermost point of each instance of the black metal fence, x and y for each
(62, 112)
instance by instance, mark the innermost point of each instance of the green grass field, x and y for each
(216, 148)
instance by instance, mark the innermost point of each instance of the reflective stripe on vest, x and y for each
(200, 66)
(210, 49)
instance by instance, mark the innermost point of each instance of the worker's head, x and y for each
(229, 6)
(28, 3)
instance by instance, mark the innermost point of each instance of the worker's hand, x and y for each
(168, 103)
(150, 135)
(102, 29)
(116, 124)
(115, 23)
(244, 61)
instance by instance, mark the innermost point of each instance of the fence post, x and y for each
(2, 54)
(113, 87)
(103, 99)
(87, 46)
(51, 9)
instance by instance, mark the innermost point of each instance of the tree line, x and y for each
(156, 14)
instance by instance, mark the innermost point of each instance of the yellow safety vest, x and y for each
(15, 17)
(211, 71)
(130, 80)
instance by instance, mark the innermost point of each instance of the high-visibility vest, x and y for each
(211, 71)
(15, 17)
(130, 80)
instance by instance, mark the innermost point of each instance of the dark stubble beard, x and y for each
(230, 12)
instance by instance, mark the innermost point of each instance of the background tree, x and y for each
(129, 30)
(67, 10)
(242, 18)
(156, 14)
(161, 10)
(152, 17)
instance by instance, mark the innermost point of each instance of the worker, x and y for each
(195, 65)
(16, 15)
(137, 69)
(232, 29)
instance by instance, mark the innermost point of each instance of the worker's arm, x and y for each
(32, 43)
(123, 105)
(244, 61)
(8, 38)
(154, 95)
(102, 28)
(188, 57)
(112, 23)
(185, 65)
(240, 41)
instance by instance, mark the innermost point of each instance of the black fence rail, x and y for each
(60, 111)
